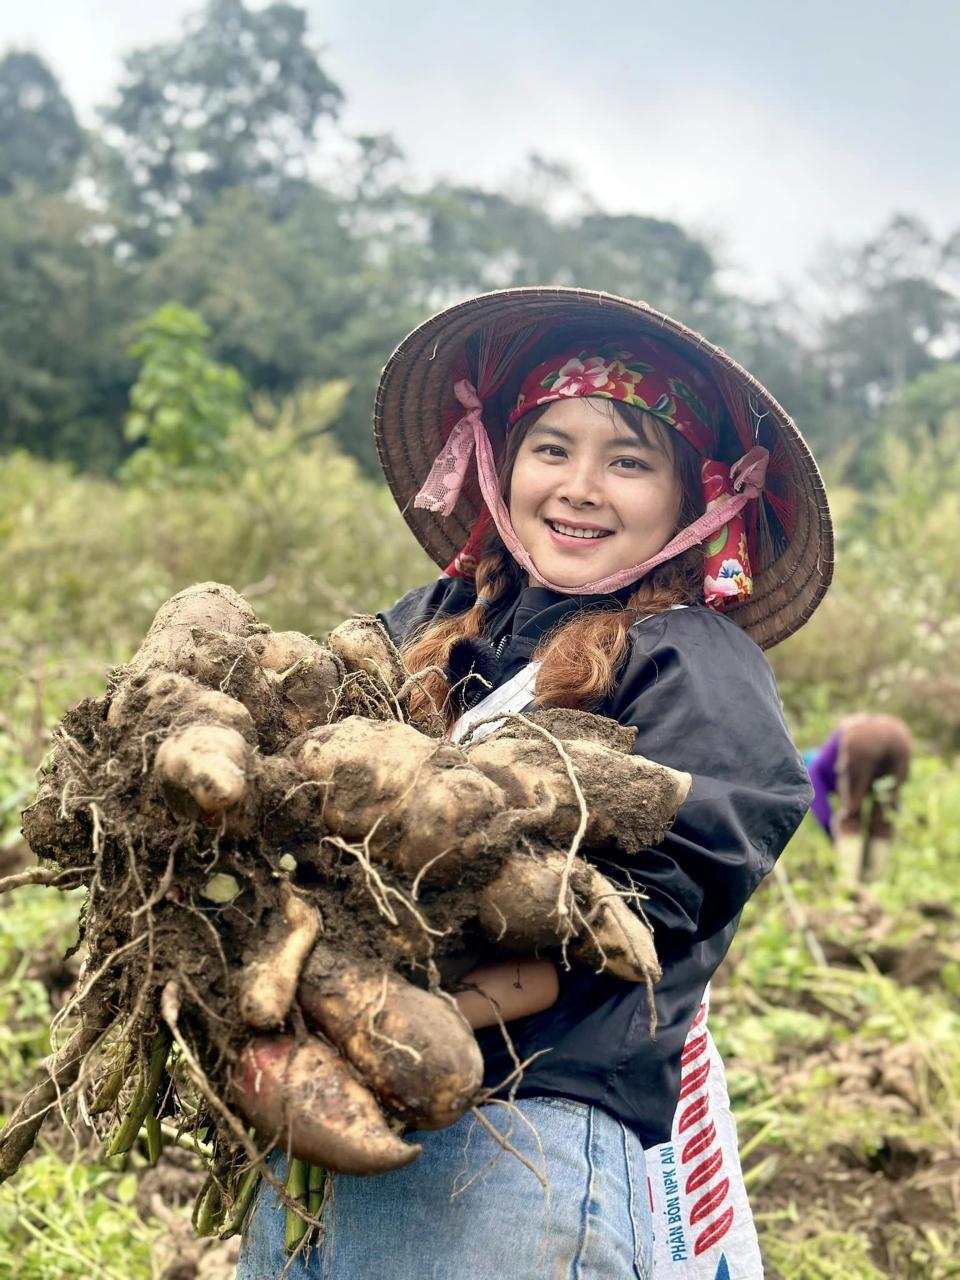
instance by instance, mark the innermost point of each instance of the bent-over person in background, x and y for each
(864, 762)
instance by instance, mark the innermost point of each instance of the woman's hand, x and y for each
(512, 989)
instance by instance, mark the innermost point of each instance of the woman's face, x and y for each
(587, 496)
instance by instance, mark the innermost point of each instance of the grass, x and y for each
(64, 1218)
(846, 1079)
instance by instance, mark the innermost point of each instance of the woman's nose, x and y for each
(581, 486)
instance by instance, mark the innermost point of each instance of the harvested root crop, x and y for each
(411, 799)
(362, 644)
(208, 764)
(284, 880)
(375, 674)
(304, 1097)
(632, 800)
(305, 675)
(413, 1046)
(520, 910)
(268, 983)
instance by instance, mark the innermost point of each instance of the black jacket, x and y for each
(702, 697)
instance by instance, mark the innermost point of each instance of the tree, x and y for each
(236, 102)
(455, 240)
(926, 404)
(768, 338)
(890, 312)
(278, 293)
(182, 404)
(641, 257)
(451, 241)
(40, 140)
(895, 305)
(289, 299)
(63, 372)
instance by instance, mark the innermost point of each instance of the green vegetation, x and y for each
(72, 1219)
(886, 636)
(182, 404)
(846, 1077)
(186, 383)
(198, 188)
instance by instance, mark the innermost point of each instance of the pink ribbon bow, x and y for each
(442, 487)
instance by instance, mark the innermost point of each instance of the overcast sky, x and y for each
(770, 127)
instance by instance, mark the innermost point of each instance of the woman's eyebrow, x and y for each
(631, 442)
(546, 429)
(618, 442)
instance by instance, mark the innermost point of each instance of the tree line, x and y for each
(219, 177)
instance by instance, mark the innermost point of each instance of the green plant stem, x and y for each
(316, 1178)
(112, 1083)
(762, 1133)
(154, 1136)
(761, 1173)
(144, 1096)
(296, 1185)
(173, 1137)
(243, 1198)
(208, 1209)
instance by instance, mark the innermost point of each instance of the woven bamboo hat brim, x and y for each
(415, 397)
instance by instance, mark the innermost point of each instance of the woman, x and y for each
(618, 503)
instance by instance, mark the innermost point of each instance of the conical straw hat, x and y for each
(793, 560)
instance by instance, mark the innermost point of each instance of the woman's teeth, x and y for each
(572, 532)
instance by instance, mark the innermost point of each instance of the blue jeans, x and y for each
(406, 1225)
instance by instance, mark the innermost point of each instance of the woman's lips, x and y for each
(572, 540)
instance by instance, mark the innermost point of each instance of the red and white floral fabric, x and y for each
(670, 390)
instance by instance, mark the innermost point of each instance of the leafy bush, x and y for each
(182, 404)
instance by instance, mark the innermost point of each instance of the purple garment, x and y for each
(823, 774)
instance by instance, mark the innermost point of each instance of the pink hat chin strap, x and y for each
(442, 488)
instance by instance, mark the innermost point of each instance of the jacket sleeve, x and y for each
(703, 698)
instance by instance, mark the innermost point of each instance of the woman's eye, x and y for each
(551, 450)
(631, 464)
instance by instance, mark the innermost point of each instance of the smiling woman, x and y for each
(614, 514)
(592, 490)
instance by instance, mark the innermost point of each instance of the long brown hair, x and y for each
(580, 659)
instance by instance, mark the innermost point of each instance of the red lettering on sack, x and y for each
(693, 1114)
(698, 1143)
(704, 1172)
(694, 1080)
(716, 1231)
(712, 1200)
(693, 1049)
